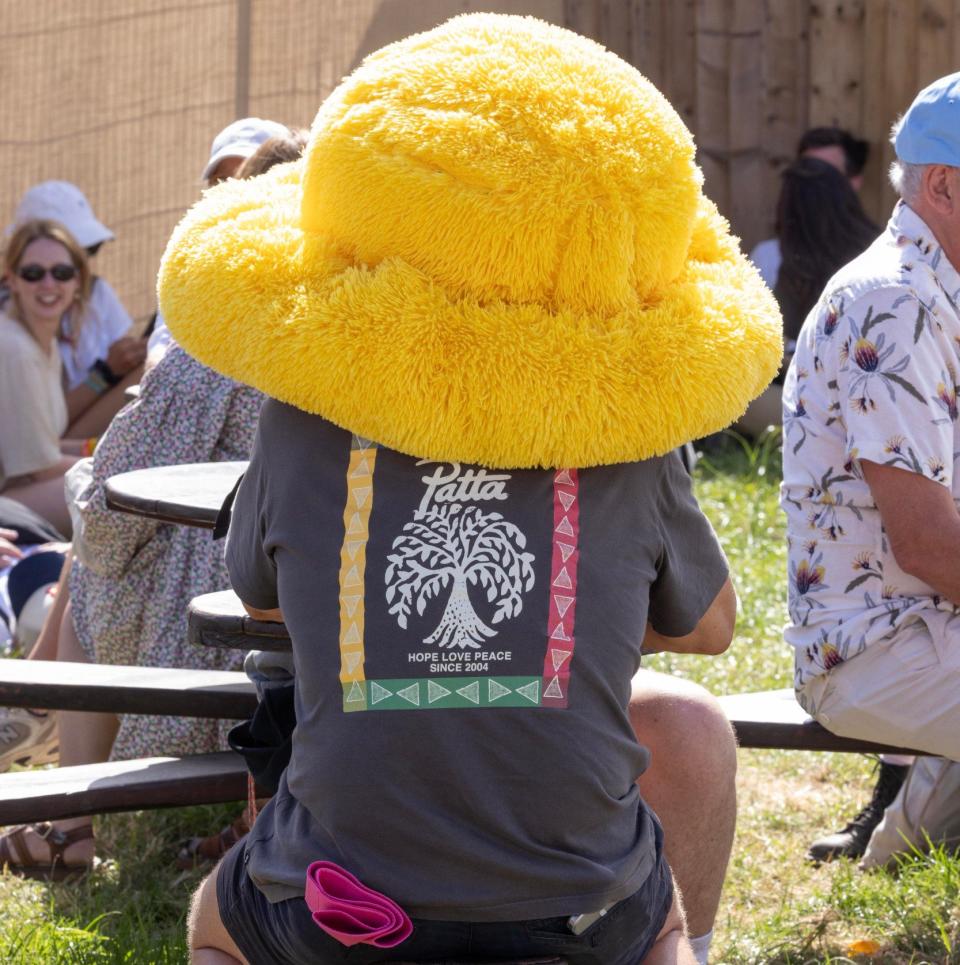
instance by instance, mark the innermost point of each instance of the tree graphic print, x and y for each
(450, 548)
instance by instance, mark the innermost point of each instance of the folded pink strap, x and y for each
(351, 912)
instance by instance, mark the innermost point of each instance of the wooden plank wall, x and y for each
(131, 91)
(749, 76)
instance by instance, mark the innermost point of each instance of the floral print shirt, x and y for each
(874, 377)
(130, 589)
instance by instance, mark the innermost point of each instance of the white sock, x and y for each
(701, 947)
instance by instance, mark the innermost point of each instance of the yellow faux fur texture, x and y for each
(495, 250)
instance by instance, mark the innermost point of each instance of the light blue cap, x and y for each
(930, 130)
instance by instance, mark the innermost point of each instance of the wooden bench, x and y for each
(156, 782)
(762, 720)
(58, 685)
(773, 719)
(765, 719)
(49, 794)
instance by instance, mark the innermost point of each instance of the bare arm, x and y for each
(712, 634)
(79, 400)
(267, 616)
(42, 475)
(73, 447)
(123, 356)
(922, 524)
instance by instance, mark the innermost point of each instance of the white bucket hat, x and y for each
(241, 139)
(64, 202)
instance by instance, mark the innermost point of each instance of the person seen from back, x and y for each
(870, 486)
(821, 226)
(834, 146)
(687, 789)
(484, 319)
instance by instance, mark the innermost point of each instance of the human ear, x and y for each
(940, 188)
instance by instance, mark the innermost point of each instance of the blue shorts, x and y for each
(285, 934)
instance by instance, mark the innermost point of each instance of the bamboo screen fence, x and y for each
(123, 96)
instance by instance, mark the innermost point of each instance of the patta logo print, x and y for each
(449, 547)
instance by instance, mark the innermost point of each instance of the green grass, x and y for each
(776, 907)
(131, 910)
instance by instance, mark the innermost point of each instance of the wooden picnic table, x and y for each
(193, 494)
(219, 620)
(190, 494)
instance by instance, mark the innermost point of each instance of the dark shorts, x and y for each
(285, 934)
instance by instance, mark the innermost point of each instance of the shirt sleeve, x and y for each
(896, 379)
(116, 319)
(29, 437)
(766, 259)
(253, 572)
(160, 337)
(692, 567)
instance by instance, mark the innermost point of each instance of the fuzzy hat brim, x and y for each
(387, 353)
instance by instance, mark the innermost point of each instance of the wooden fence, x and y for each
(123, 96)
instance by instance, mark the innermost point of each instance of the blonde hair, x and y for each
(24, 236)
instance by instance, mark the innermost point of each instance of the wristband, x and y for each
(109, 376)
(89, 445)
(96, 382)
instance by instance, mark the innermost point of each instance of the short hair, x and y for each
(906, 178)
(29, 232)
(274, 150)
(855, 151)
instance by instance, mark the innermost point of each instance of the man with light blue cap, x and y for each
(871, 487)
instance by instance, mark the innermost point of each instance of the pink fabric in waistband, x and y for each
(352, 913)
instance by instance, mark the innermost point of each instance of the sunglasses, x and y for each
(35, 273)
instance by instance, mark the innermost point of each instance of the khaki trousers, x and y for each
(903, 691)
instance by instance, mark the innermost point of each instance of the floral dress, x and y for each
(874, 377)
(130, 594)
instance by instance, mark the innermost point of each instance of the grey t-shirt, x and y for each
(464, 641)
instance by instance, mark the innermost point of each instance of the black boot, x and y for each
(851, 842)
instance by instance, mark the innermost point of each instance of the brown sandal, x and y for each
(15, 855)
(195, 852)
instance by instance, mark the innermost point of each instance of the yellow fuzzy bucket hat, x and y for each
(495, 250)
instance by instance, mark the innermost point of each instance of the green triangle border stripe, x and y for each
(461, 693)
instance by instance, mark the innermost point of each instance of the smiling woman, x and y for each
(47, 274)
